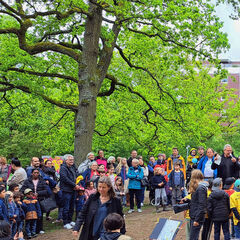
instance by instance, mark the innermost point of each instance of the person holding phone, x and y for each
(228, 166)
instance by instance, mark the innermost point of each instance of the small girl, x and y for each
(159, 182)
(12, 211)
(89, 189)
(20, 216)
(111, 174)
(80, 200)
(119, 190)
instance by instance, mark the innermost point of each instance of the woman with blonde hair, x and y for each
(198, 203)
(5, 169)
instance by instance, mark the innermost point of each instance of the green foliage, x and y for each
(163, 95)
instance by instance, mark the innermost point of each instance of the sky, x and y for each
(232, 28)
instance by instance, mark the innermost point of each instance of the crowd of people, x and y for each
(98, 188)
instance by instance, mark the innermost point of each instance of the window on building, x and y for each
(224, 80)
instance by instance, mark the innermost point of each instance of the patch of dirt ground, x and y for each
(139, 226)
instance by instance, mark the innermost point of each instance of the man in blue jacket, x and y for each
(68, 175)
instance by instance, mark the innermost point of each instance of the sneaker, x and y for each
(131, 210)
(34, 235)
(29, 237)
(141, 204)
(41, 232)
(139, 210)
(67, 226)
(72, 224)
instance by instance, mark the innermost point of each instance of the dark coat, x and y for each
(227, 168)
(129, 161)
(86, 217)
(171, 179)
(110, 236)
(42, 188)
(158, 179)
(68, 177)
(198, 204)
(218, 206)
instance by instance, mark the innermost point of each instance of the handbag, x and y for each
(48, 204)
(180, 207)
(144, 182)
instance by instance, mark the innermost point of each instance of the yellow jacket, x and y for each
(170, 166)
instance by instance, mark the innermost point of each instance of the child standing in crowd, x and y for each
(119, 189)
(176, 183)
(218, 208)
(198, 203)
(111, 174)
(228, 188)
(192, 163)
(112, 224)
(89, 189)
(235, 206)
(12, 211)
(32, 211)
(80, 200)
(135, 174)
(20, 216)
(3, 207)
(207, 225)
(158, 182)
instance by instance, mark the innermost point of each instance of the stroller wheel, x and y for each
(152, 202)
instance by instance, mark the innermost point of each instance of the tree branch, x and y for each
(58, 14)
(26, 89)
(59, 120)
(44, 74)
(112, 78)
(109, 92)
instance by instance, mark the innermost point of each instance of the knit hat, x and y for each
(237, 184)
(216, 183)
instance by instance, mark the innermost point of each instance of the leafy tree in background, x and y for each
(64, 52)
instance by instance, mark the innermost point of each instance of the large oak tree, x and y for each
(69, 46)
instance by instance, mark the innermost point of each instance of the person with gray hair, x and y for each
(229, 166)
(68, 175)
(135, 175)
(111, 161)
(86, 164)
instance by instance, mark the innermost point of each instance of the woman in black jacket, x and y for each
(97, 207)
(198, 203)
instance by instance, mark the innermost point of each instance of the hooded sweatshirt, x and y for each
(110, 236)
(218, 206)
(114, 236)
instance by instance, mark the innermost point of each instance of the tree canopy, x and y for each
(134, 67)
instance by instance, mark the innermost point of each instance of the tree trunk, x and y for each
(89, 85)
(85, 122)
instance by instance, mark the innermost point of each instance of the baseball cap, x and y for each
(216, 183)
(28, 190)
(228, 182)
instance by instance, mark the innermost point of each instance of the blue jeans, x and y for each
(237, 230)
(13, 229)
(60, 213)
(225, 228)
(68, 206)
(30, 227)
(142, 194)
